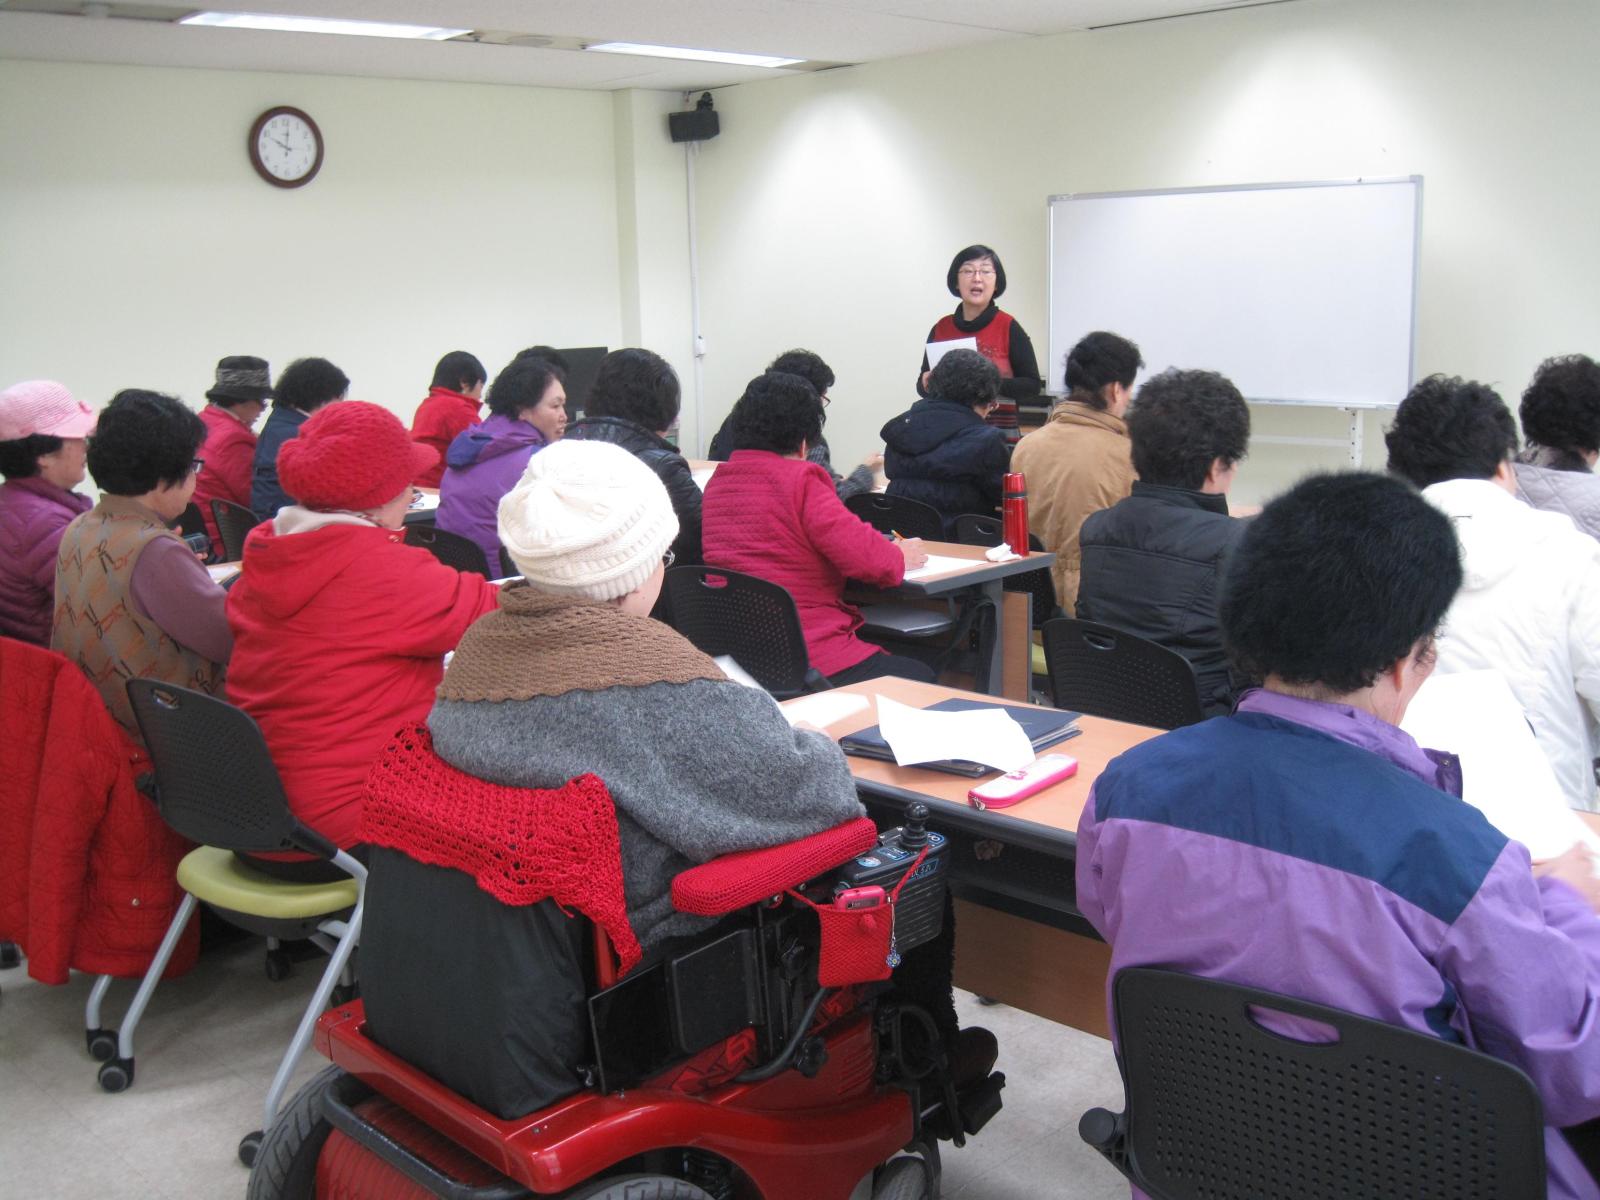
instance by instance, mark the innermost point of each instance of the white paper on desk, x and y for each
(937, 350)
(823, 708)
(703, 476)
(1504, 774)
(938, 564)
(423, 502)
(987, 735)
(1001, 553)
(731, 668)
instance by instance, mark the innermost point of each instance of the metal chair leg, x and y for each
(117, 1074)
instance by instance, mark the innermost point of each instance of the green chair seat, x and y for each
(219, 878)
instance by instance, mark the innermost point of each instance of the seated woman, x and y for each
(633, 401)
(1561, 420)
(527, 411)
(1224, 849)
(771, 513)
(940, 451)
(340, 628)
(42, 458)
(131, 599)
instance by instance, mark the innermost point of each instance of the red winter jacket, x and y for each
(88, 870)
(442, 415)
(230, 453)
(782, 520)
(339, 637)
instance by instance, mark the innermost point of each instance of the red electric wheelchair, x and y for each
(515, 1050)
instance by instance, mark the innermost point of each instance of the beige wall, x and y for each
(137, 245)
(831, 203)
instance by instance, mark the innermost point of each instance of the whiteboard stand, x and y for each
(1353, 444)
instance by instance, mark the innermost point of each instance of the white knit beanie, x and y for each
(587, 519)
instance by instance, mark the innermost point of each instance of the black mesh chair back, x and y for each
(508, 569)
(1220, 1107)
(190, 521)
(451, 549)
(1105, 672)
(749, 619)
(896, 514)
(234, 521)
(215, 782)
(974, 530)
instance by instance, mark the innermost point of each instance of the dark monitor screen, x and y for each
(582, 363)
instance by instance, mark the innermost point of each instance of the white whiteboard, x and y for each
(1299, 293)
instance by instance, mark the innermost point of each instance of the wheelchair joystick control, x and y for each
(915, 834)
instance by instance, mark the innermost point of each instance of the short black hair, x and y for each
(966, 377)
(309, 383)
(806, 364)
(142, 440)
(19, 458)
(1100, 358)
(777, 412)
(1337, 580)
(970, 254)
(1450, 428)
(1182, 422)
(636, 385)
(1561, 408)
(549, 353)
(521, 384)
(458, 371)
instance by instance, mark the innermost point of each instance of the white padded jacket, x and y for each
(1529, 607)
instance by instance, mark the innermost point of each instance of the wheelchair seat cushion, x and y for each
(750, 876)
(520, 845)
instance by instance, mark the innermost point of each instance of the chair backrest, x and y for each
(190, 521)
(215, 782)
(1219, 1106)
(1106, 672)
(972, 529)
(898, 514)
(451, 549)
(508, 568)
(234, 521)
(754, 621)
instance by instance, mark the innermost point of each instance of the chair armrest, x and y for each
(747, 877)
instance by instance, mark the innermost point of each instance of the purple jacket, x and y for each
(482, 465)
(1315, 850)
(33, 515)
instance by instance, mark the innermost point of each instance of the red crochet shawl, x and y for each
(522, 845)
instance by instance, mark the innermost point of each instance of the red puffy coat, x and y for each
(339, 637)
(87, 867)
(781, 519)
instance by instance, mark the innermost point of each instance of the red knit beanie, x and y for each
(351, 455)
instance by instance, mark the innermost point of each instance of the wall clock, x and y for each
(286, 147)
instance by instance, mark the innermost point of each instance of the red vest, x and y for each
(994, 339)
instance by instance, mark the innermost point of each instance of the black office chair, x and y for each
(190, 521)
(1105, 672)
(1220, 1107)
(896, 514)
(974, 530)
(451, 549)
(234, 522)
(215, 785)
(752, 621)
(508, 569)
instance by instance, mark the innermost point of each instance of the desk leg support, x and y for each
(1048, 972)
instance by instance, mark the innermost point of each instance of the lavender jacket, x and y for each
(1315, 850)
(483, 464)
(33, 515)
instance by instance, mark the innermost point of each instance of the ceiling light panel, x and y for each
(278, 23)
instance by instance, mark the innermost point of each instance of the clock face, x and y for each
(286, 147)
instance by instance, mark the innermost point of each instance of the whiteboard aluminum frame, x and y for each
(1361, 180)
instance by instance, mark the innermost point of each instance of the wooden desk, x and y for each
(1019, 935)
(1006, 643)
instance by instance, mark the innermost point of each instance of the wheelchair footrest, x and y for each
(979, 1103)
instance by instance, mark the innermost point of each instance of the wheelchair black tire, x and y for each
(902, 1179)
(641, 1187)
(286, 1163)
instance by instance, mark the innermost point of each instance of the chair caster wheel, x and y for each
(278, 965)
(102, 1044)
(116, 1075)
(10, 955)
(249, 1147)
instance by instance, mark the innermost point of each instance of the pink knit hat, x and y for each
(351, 455)
(43, 406)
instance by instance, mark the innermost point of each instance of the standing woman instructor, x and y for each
(977, 279)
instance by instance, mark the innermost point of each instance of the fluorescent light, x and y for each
(715, 56)
(286, 24)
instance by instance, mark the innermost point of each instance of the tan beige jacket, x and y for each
(1077, 463)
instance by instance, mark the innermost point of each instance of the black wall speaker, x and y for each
(697, 126)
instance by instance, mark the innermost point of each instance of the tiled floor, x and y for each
(210, 1042)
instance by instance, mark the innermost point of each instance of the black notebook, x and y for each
(1044, 727)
